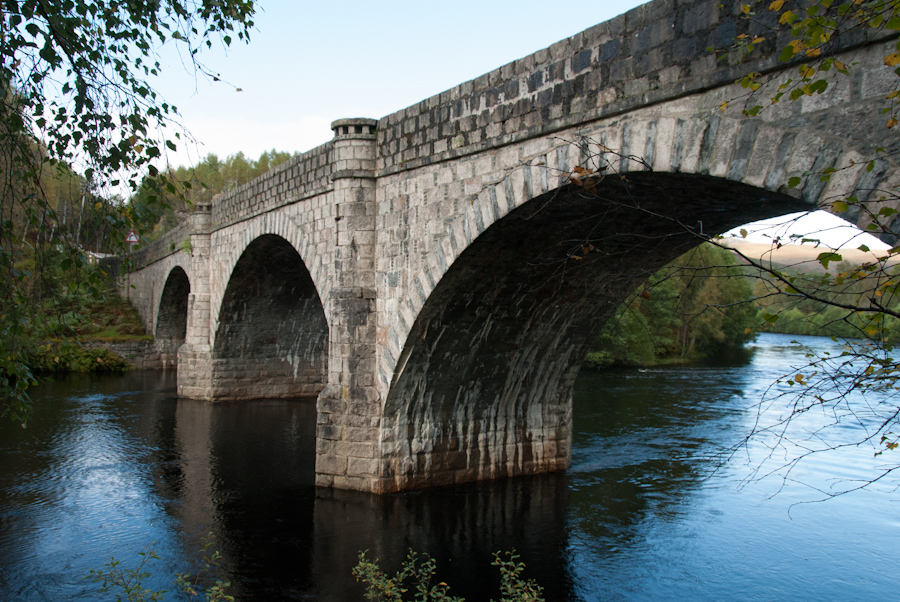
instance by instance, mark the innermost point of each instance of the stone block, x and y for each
(330, 464)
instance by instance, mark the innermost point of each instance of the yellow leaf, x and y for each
(743, 233)
(745, 8)
(799, 378)
(806, 71)
(776, 5)
(758, 40)
(723, 106)
(98, 206)
(786, 17)
(891, 122)
(892, 60)
(814, 52)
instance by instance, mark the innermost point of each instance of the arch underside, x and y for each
(171, 320)
(483, 387)
(272, 337)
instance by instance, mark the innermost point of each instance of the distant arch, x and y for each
(171, 318)
(232, 243)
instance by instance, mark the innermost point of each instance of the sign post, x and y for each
(131, 239)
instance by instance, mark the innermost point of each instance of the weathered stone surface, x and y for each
(435, 278)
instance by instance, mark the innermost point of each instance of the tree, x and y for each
(691, 309)
(75, 96)
(203, 181)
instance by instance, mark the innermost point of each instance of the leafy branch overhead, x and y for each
(811, 34)
(78, 73)
(79, 118)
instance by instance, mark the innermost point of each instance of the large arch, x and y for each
(171, 317)
(482, 388)
(271, 338)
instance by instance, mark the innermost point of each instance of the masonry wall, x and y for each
(655, 52)
(293, 181)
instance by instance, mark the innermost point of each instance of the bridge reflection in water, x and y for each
(243, 466)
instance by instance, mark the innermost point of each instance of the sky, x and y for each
(310, 63)
(829, 230)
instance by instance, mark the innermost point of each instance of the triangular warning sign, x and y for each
(132, 237)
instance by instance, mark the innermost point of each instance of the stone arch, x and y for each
(482, 388)
(271, 337)
(237, 238)
(171, 316)
(144, 287)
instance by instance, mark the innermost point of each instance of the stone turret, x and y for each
(349, 406)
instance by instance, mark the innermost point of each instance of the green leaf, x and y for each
(828, 257)
(787, 54)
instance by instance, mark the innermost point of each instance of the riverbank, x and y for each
(98, 355)
(93, 335)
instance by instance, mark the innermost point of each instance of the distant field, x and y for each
(800, 256)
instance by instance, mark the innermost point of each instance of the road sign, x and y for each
(132, 237)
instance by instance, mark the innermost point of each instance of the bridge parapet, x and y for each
(165, 245)
(300, 178)
(656, 52)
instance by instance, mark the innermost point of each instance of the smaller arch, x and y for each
(271, 339)
(171, 317)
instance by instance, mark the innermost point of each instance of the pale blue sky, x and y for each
(309, 63)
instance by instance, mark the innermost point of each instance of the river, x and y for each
(110, 466)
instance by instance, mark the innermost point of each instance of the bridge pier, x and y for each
(195, 367)
(349, 407)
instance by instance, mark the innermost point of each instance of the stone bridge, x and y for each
(434, 276)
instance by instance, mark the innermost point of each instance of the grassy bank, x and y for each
(71, 322)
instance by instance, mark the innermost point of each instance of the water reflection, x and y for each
(109, 465)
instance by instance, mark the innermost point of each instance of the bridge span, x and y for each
(425, 275)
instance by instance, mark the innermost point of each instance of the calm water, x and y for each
(111, 465)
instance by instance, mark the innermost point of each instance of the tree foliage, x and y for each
(76, 98)
(210, 177)
(695, 307)
(416, 575)
(785, 311)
